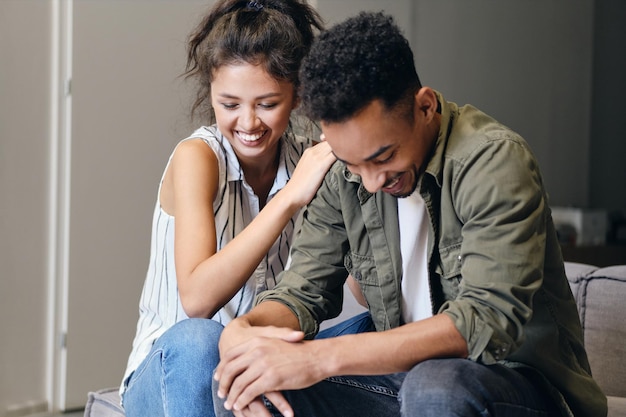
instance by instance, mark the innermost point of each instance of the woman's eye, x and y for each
(265, 106)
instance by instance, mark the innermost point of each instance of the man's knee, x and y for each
(441, 387)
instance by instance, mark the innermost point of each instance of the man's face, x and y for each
(385, 148)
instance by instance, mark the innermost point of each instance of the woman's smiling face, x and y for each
(251, 107)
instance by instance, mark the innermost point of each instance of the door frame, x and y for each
(59, 201)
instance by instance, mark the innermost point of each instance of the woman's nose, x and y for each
(249, 120)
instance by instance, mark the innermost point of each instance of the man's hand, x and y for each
(257, 408)
(266, 365)
(240, 331)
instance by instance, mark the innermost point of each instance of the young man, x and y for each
(440, 214)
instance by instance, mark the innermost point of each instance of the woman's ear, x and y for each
(296, 103)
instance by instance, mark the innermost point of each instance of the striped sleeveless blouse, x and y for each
(235, 207)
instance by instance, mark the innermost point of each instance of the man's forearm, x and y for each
(396, 350)
(256, 322)
(280, 360)
(272, 313)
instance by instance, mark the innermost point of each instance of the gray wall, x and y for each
(24, 158)
(607, 156)
(552, 70)
(528, 64)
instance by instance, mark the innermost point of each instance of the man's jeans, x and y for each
(175, 379)
(433, 388)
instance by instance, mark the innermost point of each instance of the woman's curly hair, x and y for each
(355, 62)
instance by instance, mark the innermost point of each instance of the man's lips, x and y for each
(394, 184)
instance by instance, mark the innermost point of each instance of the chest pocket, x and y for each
(449, 270)
(362, 268)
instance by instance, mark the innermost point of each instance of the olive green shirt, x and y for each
(495, 265)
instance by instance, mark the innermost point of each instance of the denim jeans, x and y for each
(360, 323)
(433, 388)
(175, 378)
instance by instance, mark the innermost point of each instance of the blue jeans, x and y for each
(433, 388)
(360, 323)
(175, 378)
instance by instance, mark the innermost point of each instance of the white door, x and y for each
(126, 108)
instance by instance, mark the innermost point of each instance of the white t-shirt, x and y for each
(413, 220)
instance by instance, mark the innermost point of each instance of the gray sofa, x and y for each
(601, 298)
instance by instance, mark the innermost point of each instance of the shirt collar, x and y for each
(449, 112)
(286, 163)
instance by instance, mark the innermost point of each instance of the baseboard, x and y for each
(26, 409)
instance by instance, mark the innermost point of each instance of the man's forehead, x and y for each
(353, 152)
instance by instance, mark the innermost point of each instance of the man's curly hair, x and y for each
(355, 62)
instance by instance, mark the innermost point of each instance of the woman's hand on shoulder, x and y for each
(310, 172)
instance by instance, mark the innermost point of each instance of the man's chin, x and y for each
(401, 195)
(404, 193)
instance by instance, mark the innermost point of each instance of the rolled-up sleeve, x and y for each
(501, 205)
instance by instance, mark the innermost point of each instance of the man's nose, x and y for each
(373, 180)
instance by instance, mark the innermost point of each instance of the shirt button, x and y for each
(497, 353)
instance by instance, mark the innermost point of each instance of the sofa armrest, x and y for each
(600, 296)
(104, 403)
(617, 406)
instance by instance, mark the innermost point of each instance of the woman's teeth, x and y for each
(250, 137)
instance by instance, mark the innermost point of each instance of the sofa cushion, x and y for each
(601, 297)
(104, 403)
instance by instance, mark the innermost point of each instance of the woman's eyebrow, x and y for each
(261, 97)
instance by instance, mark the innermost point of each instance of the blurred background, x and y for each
(92, 103)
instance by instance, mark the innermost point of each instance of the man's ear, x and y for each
(426, 101)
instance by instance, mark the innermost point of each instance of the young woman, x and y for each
(227, 203)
